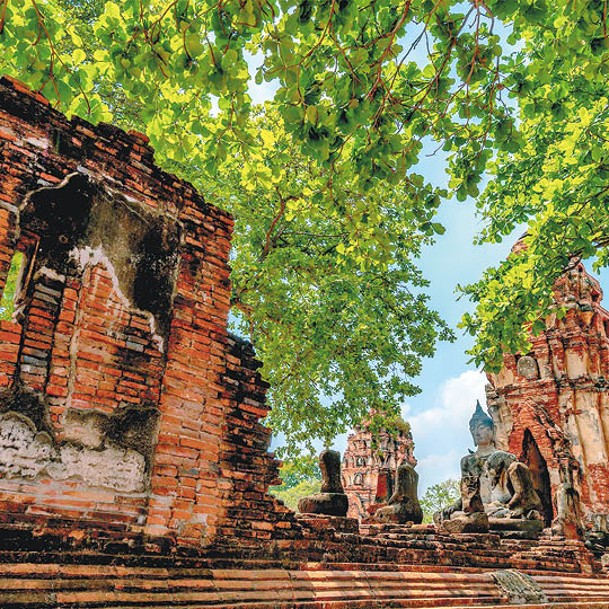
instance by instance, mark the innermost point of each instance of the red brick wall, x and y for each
(151, 417)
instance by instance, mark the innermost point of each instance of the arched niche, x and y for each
(80, 216)
(531, 455)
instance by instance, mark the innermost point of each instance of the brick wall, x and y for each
(124, 401)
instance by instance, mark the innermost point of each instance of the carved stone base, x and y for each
(515, 524)
(516, 528)
(476, 522)
(332, 504)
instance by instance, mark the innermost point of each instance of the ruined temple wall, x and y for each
(558, 393)
(117, 410)
(252, 514)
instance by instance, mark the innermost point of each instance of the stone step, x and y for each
(72, 586)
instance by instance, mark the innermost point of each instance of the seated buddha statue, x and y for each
(494, 484)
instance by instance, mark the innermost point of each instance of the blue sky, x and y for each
(450, 385)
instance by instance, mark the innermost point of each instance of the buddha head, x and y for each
(481, 427)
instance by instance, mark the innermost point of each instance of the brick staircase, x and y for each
(385, 568)
(47, 586)
(392, 545)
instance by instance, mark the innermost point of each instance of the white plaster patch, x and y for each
(27, 453)
(84, 427)
(38, 143)
(116, 468)
(199, 519)
(106, 181)
(24, 452)
(45, 271)
(30, 194)
(590, 428)
(13, 209)
(577, 365)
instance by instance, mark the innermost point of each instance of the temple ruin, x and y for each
(134, 469)
(369, 466)
(551, 407)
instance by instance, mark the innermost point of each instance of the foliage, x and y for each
(557, 177)
(300, 477)
(358, 85)
(298, 470)
(291, 496)
(395, 425)
(330, 214)
(7, 303)
(438, 497)
(338, 285)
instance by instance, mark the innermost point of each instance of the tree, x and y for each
(330, 213)
(339, 333)
(439, 496)
(301, 477)
(556, 180)
(7, 302)
(291, 496)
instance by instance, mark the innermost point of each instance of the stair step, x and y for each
(346, 586)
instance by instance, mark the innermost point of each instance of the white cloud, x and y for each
(441, 433)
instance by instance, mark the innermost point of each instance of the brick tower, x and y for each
(366, 458)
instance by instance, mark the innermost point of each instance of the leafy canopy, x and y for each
(556, 181)
(330, 213)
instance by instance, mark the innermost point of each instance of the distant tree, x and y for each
(301, 477)
(291, 496)
(298, 470)
(439, 496)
